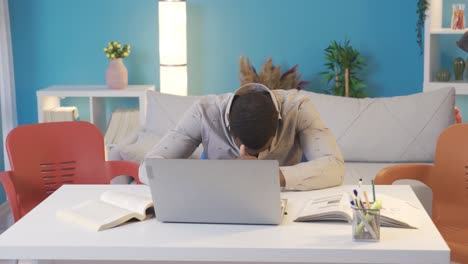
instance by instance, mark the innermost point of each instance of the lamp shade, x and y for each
(173, 46)
(462, 43)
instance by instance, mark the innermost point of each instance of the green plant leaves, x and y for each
(114, 50)
(422, 7)
(338, 58)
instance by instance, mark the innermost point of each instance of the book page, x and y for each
(95, 215)
(327, 208)
(399, 213)
(129, 201)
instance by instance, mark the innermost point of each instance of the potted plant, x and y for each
(270, 75)
(343, 63)
(116, 73)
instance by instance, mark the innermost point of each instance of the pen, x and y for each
(358, 200)
(360, 183)
(373, 190)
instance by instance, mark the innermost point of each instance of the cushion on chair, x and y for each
(391, 129)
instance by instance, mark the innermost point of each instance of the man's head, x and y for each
(253, 120)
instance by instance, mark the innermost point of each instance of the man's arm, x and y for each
(325, 165)
(180, 142)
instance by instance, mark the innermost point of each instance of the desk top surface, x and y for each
(40, 235)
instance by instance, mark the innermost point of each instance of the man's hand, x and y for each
(244, 155)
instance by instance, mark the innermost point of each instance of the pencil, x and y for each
(367, 200)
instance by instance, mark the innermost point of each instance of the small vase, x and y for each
(458, 68)
(116, 74)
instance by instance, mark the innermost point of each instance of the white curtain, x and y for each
(7, 80)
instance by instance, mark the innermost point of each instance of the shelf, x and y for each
(95, 94)
(447, 31)
(461, 88)
(93, 91)
(438, 35)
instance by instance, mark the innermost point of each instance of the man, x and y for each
(256, 123)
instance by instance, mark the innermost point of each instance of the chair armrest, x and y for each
(122, 167)
(7, 182)
(419, 172)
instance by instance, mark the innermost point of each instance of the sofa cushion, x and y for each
(391, 129)
(165, 110)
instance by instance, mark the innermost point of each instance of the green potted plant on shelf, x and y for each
(116, 73)
(343, 64)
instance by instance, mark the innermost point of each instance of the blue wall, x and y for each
(61, 42)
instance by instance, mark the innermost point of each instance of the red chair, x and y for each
(45, 156)
(448, 179)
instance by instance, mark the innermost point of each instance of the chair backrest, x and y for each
(45, 156)
(449, 177)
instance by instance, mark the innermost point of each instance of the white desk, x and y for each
(39, 235)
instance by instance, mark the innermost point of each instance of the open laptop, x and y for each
(216, 191)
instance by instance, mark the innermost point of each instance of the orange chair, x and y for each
(448, 179)
(45, 156)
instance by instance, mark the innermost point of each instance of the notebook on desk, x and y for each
(216, 191)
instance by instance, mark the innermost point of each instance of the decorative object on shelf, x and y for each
(423, 5)
(343, 62)
(458, 16)
(116, 73)
(462, 43)
(270, 75)
(443, 75)
(458, 68)
(172, 46)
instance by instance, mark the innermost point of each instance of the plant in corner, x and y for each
(116, 73)
(421, 11)
(343, 63)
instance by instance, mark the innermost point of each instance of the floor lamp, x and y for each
(173, 46)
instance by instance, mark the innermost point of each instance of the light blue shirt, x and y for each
(300, 134)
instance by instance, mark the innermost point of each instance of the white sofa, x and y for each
(372, 133)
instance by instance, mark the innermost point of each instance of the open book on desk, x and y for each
(394, 212)
(112, 209)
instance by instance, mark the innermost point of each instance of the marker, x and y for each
(360, 183)
(358, 201)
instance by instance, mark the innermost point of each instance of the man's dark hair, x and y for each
(253, 118)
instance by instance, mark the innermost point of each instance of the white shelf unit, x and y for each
(50, 97)
(433, 33)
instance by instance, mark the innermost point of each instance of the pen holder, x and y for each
(366, 224)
